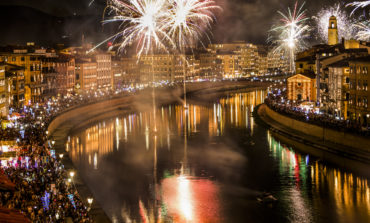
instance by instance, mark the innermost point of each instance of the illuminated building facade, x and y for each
(338, 85)
(333, 31)
(103, 70)
(301, 87)
(86, 74)
(66, 76)
(130, 71)
(16, 96)
(359, 93)
(4, 109)
(117, 73)
(59, 75)
(30, 57)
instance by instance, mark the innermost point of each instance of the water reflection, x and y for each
(198, 164)
(349, 194)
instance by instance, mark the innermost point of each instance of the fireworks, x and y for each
(189, 19)
(291, 33)
(358, 5)
(346, 28)
(163, 24)
(364, 31)
(141, 22)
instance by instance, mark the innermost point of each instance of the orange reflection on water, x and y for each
(190, 199)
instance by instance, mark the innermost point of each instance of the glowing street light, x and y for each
(61, 156)
(71, 174)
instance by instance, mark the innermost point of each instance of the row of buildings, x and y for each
(335, 75)
(31, 74)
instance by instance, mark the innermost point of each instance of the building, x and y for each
(103, 70)
(118, 73)
(210, 67)
(11, 87)
(86, 74)
(318, 59)
(301, 87)
(333, 31)
(30, 57)
(131, 72)
(4, 109)
(359, 92)
(338, 86)
(66, 74)
(17, 84)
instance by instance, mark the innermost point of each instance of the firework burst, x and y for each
(364, 31)
(141, 22)
(346, 29)
(290, 34)
(189, 20)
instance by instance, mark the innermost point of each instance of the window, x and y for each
(332, 25)
(365, 102)
(22, 58)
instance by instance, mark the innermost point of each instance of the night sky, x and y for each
(66, 20)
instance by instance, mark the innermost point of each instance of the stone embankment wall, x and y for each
(342, 142)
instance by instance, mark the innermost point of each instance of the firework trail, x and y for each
(358, 4)
(364, 31)
(290, 34)
(346, 29)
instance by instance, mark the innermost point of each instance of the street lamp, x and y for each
(71, 174)
(89, 201)
(61, 156)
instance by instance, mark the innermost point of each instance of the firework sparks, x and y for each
(345, 23)
(358, 5)
(291, 33)
(364, 31)
(141, 22)
(189, 19)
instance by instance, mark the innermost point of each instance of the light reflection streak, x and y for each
(350, 194)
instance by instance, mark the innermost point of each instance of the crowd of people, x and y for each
(320, 119)
(43, 192)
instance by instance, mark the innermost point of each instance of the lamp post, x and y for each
(89, 201)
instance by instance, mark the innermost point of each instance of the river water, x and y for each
(210, 163)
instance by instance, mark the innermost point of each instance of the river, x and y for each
(210, 163)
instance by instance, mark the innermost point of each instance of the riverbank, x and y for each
(340, 148)
(60, 128)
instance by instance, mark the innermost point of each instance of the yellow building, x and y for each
(15, 76)
(29, 57)
(3, 104)
(359, 92)
(333, 31)
(301, 87)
